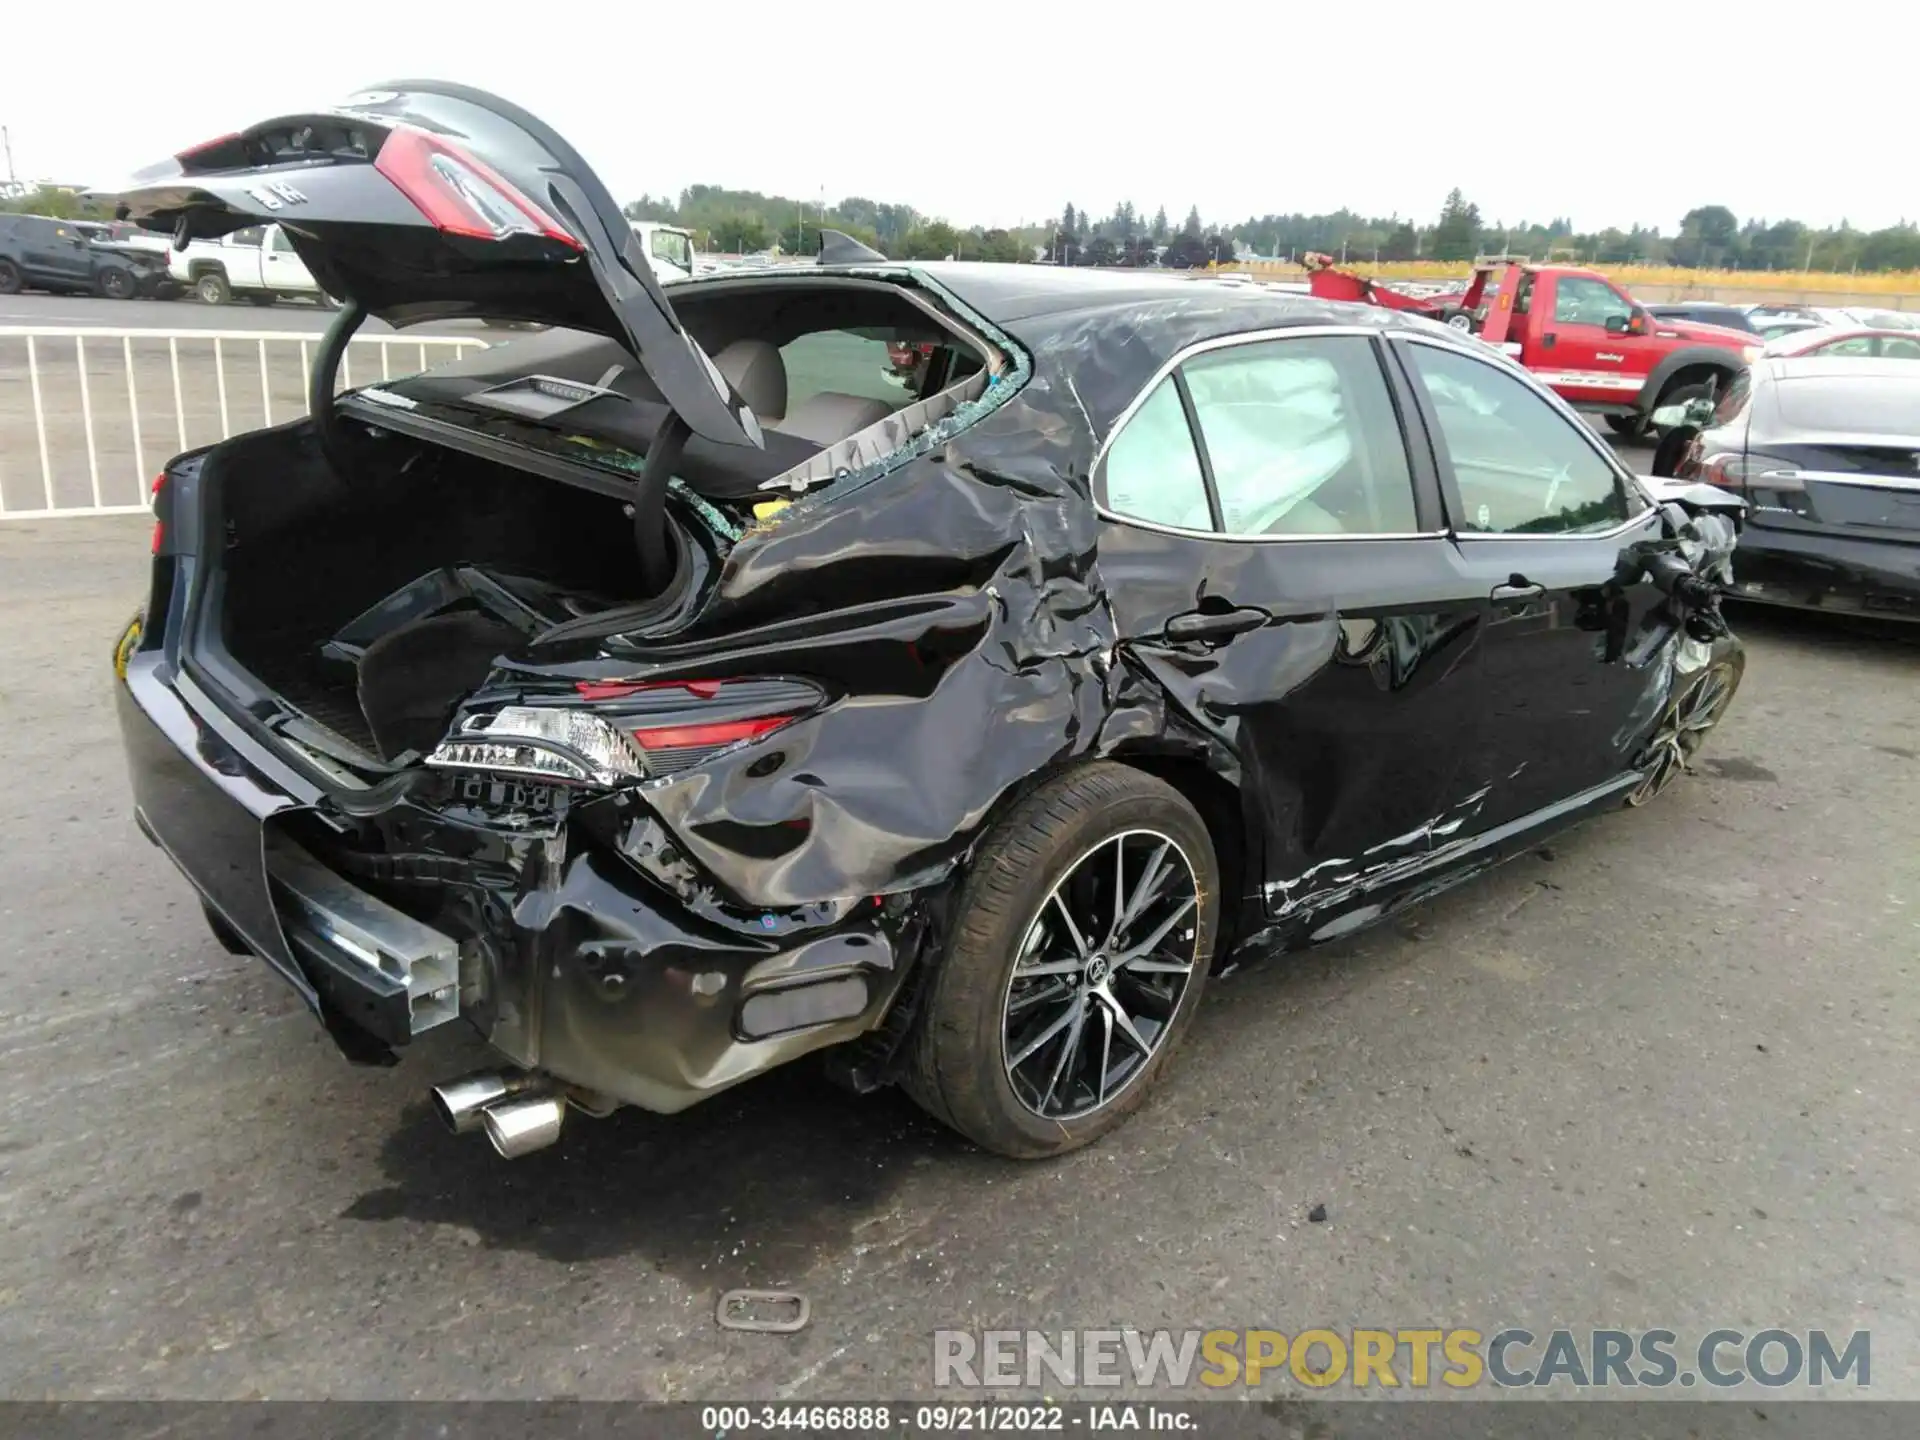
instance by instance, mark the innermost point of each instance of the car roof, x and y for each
(1112, 331)
(1806, 335)
(1109, 332)
(1891, 370)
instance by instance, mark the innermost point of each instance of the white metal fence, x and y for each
(87, 416)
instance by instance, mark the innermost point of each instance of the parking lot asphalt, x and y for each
(1660, 1072)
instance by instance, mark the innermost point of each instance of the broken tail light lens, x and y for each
(460, 193)
(548, 741)
(625, 731)
(159, 513)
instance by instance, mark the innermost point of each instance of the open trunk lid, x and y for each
(426, 200)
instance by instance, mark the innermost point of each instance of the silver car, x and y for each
(1826, 450)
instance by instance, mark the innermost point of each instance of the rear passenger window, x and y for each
(1152, 471)
(844, 363)
(1302, 438)
(1521, 466)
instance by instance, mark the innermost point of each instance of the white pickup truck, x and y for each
(258, 262)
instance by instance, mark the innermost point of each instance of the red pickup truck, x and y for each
(1575, 330)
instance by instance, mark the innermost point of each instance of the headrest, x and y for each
(754, 369)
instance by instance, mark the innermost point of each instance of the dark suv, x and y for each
(41, 253)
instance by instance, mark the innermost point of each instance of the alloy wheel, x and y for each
(1683, 728)
(1101, 974)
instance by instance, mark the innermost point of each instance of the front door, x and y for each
(56, 255)
(281, 270)
(1275, 559)
(1587, 352)
(1540, 512)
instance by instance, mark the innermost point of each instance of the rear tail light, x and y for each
(159, 515)
(623, 731)
(459, 193)
(552, 742)
(1747, 470)
(203, 156)
(1771, 485)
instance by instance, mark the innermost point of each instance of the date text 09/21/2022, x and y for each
(722, 1420)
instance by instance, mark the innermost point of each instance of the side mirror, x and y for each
(1620, 324)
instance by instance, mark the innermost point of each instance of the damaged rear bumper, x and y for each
(1813, 571)
(550, 942)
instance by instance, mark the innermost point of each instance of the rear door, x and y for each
(55, 254)
(1578, 355)
(1277, 567)
(281, 270)
(1540, 511)
(240, 253)
(427, 200)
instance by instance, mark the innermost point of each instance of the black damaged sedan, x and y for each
(687, 688)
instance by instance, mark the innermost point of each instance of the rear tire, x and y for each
(1627, 427)
(1672, 448)
(1041, 1065)
(212, 288)
(9, 278)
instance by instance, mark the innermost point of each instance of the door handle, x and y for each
(1215, 624)
(1517, 591)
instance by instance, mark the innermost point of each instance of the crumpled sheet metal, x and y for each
(960, 614)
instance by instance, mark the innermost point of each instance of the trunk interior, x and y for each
(470, 557)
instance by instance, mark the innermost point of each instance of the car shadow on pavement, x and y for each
(1893, 641)
(768, 1178)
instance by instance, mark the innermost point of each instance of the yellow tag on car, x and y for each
(767, 509)
(123, 652)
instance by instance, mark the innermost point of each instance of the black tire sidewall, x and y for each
(1667, 453)
(212, 289)
(10, 278)
(114, 276)
(965, 1016)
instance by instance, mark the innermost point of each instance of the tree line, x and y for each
(1708, 236)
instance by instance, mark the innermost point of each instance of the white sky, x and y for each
(1000, 112)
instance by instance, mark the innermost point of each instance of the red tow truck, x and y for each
(1574, 329)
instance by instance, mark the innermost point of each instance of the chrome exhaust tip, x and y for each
(520, 1127)
(460, 1103)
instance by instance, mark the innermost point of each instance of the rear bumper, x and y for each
(571, 962)
(1814, 571)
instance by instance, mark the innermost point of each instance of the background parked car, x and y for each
(1848, 340)
(124, 235)
(258, 262)
(38, 252)
(1858, 315)
(1700, 312)
(1827, 453)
